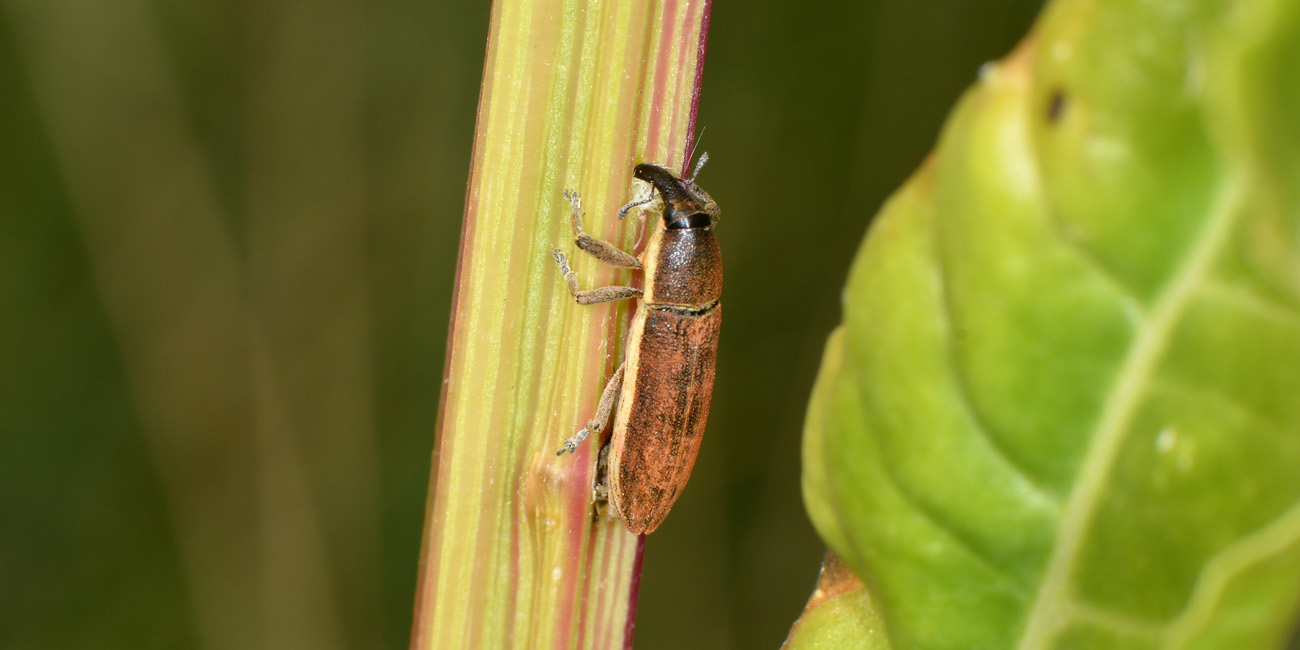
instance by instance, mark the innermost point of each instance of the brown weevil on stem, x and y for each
(664, 386)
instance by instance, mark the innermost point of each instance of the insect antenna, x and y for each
(703, 158)
(699, 164)
(622, 212)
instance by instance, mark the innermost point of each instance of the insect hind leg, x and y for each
(598, 421)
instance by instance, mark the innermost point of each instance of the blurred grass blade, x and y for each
(574, 94)
(1061, 409)
(227, 342)
(169, 276)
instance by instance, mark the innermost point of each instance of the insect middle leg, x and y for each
(601, 418)
(601, 250)
(592, 296)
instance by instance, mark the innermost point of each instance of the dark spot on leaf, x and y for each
(1055, 106)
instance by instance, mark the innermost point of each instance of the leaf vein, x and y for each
(1222, 401)
(1253, 301)
(1117, 621)
(1122, 402)
(1090, 259)
(1268, 541)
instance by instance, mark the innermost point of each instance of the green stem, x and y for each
(574, 94)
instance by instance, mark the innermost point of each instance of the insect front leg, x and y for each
(601, 418)
(597, 248)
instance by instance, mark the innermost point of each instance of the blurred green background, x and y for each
(228, 233)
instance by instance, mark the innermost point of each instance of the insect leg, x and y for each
(597, 248)
(601, 418)
(592, 296)
(600, 489)
(602, 412)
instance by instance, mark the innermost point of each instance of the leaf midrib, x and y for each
(1053, 597)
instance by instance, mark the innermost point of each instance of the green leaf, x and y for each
(1061, 410)
(839, 615)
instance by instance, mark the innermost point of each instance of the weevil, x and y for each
(664, 385)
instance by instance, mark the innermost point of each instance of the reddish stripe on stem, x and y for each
(692, 120)
(657, 96)
(634, 593)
